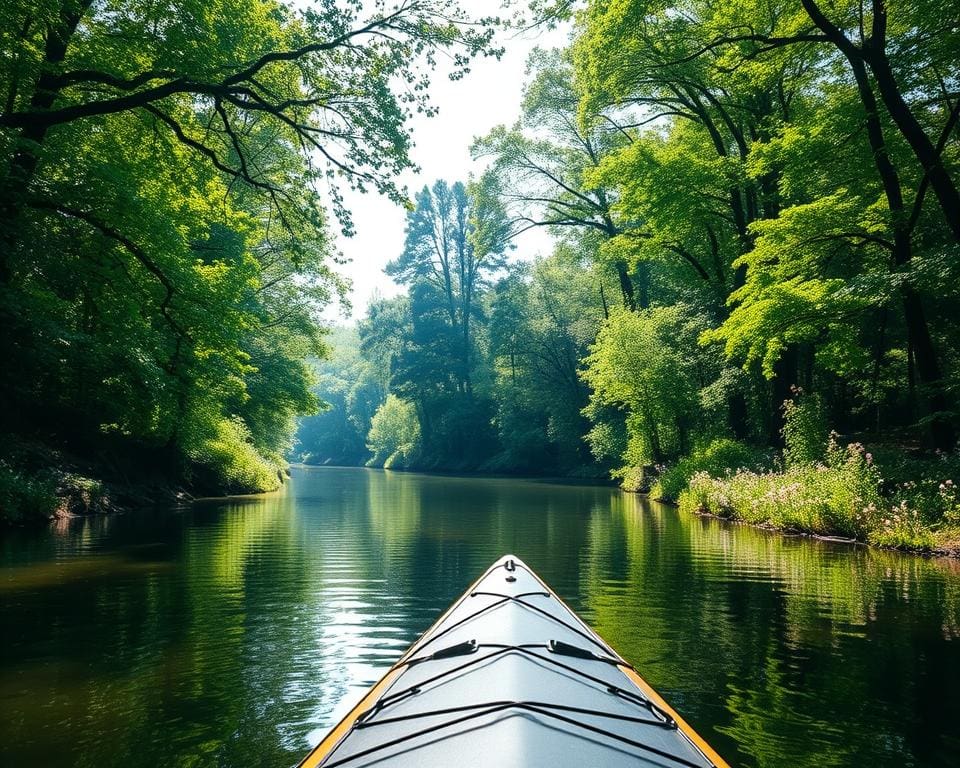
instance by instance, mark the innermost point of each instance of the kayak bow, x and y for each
(510, 676)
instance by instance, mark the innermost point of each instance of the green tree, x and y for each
(904, 108)
(640, 364)
(542, 166)
(785, 226)
(543, 318)
(394, 433)
(454, 240)
(164, 250)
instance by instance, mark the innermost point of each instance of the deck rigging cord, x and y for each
(500, 706)
(510, 566)
(526, 648)
(370, 718)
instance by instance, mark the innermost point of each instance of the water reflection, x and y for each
(235, 632)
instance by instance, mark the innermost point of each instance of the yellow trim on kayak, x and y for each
(648, 690)
(682, 724)
(330, 742)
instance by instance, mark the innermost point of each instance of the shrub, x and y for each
(844, 494)
(394, 433)
(24, 496)
(901, 527)
(632, 479)
(645, 365)
(81, 494)
(899, 466)
(834, 498)
(718, 458)
(231, 461)
(804, 430)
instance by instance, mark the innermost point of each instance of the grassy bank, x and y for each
(892, 500)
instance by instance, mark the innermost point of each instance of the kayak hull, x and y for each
(511, 676)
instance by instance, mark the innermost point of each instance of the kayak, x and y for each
(510, 676)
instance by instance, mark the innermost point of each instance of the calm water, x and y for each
(234, 632)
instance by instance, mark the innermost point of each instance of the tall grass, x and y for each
(844, 494)
(715, 459)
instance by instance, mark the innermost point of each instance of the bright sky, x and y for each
(488, 96)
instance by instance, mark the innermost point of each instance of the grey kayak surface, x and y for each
(510, 676)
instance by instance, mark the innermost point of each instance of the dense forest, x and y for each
(170, 182)
(752, 304)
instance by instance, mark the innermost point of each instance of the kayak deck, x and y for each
(510, 676)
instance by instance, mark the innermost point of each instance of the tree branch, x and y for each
(135, 250)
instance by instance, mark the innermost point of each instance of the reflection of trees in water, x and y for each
(177, 650)
(231, 634)
(393, 510)
(452, 528)
(785, 650)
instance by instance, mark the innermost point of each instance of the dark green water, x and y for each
(235, 632)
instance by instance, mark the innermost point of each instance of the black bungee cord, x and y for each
(661, 718)
(530, 707)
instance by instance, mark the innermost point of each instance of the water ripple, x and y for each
(233, 634)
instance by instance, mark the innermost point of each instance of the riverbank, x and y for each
(900, 502)
(594, 474)
(908, 504)
(946, 545)
(902, 530)
(847, 496)
(39, 483)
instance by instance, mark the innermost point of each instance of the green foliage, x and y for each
(25, 496)
(228, 461)
(903, 528)
(430, 344)
(541, 166)
(837, 498)
(394, 437)
(746, 197)
(717, 459)
(637, 365)
(750, 187)
(923, 504)
(804, 430)
(543, 317)
(455, 239)
(165, 246)
(846, 495)
(351, 388)
(799, 286)
(902, 468)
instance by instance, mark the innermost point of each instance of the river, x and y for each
(235, 631)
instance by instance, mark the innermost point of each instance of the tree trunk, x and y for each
(875, 55)
(879, 349)
(927, 369)
(784, 382)
(737, 415)
(626, 286)
(467, 382)
(872, 53)
(918, 333)
(643, 285)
